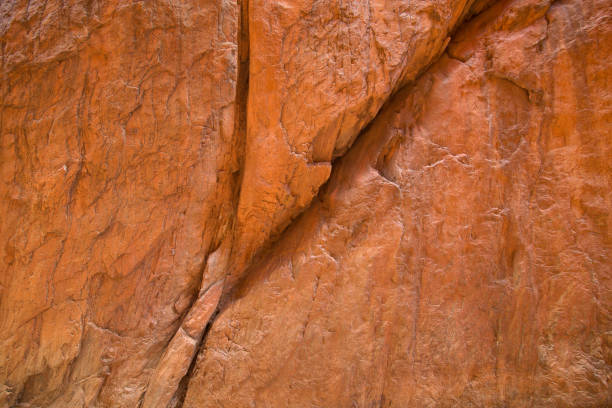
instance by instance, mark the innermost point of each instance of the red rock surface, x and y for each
(460, 255)
(117, 148)
(319, 72)
(153, 153)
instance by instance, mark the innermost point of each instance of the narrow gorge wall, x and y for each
(305, 203)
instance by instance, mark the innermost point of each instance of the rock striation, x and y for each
(305, 203)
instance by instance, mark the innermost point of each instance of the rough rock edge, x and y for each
(178, 387)
(475, 9)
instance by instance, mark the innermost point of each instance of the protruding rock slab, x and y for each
(177, 358)
(319, 73)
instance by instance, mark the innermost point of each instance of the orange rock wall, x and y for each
(305, 203)
(117, 153)
(460, 254)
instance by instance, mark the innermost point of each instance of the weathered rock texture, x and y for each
(164, 196)
(118, 155)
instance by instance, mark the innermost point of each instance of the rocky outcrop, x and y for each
(319, 72)
(460, 255)
(328, 203)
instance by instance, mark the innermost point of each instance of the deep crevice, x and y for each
(240, 129)
(241, 126)
(474, 10)
(181, 392)
(242, 94)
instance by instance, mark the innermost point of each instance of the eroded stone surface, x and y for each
(319, 73)
(460, 255)
(175, 362)
(117, 155)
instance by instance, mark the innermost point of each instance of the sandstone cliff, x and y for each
(305, 203)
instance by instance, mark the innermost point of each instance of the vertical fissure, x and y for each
(181, 392)
(240, 130)
(240, 135)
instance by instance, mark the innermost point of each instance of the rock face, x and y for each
(306, 203)
(319, 72)
(118, 161)
(460, 255)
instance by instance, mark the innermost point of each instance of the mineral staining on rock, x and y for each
(383, 203)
